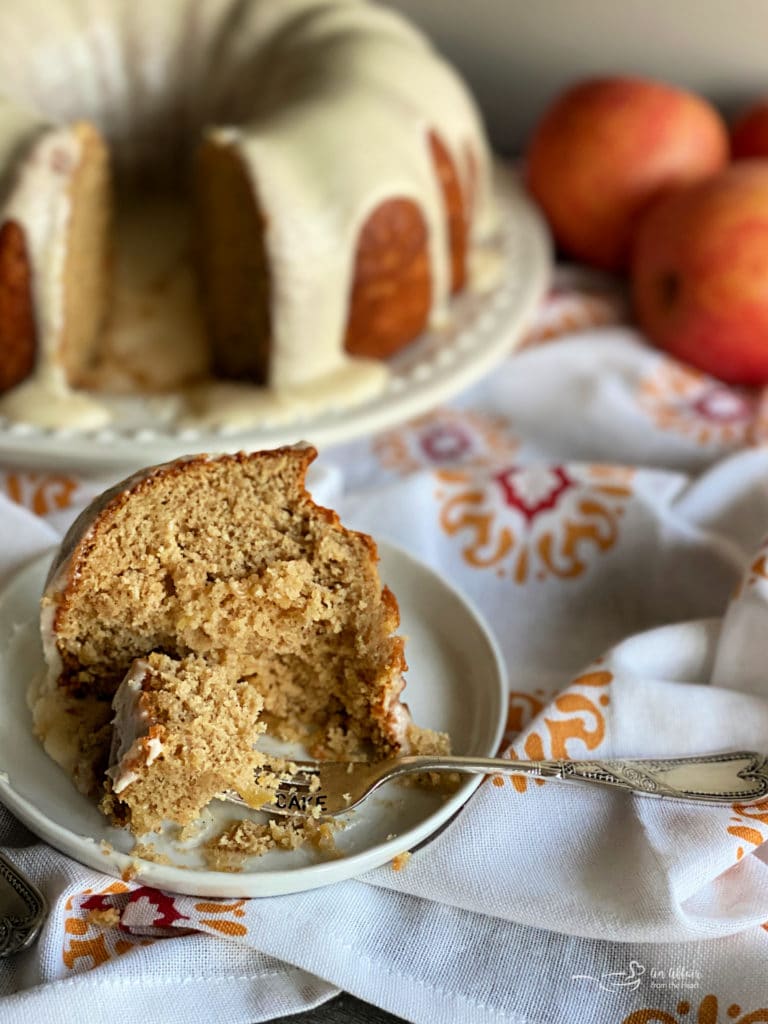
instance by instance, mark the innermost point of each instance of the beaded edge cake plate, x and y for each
(485, 328)
(456, 682)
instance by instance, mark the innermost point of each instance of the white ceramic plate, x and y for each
(484, 329)
(455, 683)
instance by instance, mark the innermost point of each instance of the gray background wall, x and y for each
(517, 53)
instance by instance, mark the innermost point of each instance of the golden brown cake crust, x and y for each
(18, 340)
(391, 293)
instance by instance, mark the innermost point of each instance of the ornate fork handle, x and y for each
(19, 929)
(710, 778)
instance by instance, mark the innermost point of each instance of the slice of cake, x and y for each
(244, 598)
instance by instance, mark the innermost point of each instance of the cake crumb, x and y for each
(427, 741)
(192, 831)
(131, 871)
(106, 848)
(399, 862)
(109, 918)
(148, 851)
(228, 850)
(430, 742)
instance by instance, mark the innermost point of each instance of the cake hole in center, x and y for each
(154, 338)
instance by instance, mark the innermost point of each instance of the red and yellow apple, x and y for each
(606, 147)
(700, 274)
(749, 133)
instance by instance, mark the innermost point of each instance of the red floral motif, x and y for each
(110, 923)
(90, 942)
(150, 908)
(102, 901)
(533, 491)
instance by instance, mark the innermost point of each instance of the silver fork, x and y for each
(326, 788)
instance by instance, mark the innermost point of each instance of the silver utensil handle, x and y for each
(711, 778)
(19, 929)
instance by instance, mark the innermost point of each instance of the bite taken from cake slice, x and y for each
(250, 608)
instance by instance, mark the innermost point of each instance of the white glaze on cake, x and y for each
(39, 203)
(330, 103)
(132, 746)
(348, 132)
(38, 200)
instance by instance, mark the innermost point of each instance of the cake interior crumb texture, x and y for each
(86, 284)
(202, 728)
(250, 609)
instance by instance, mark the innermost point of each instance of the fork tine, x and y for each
(289, 786)
(303, 770)
(307, 766)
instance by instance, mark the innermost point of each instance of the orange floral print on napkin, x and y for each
(708, 1012)
(746, 827)
(568, 312)
(579, 300)
(112, 922)
(88, 940)
(533, 522)
(684, 401)
(41, 493)
(573, 724)
(223, 917)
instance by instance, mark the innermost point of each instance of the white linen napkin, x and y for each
(538, 903)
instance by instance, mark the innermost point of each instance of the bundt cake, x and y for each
(223, 577)
(332, 167)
